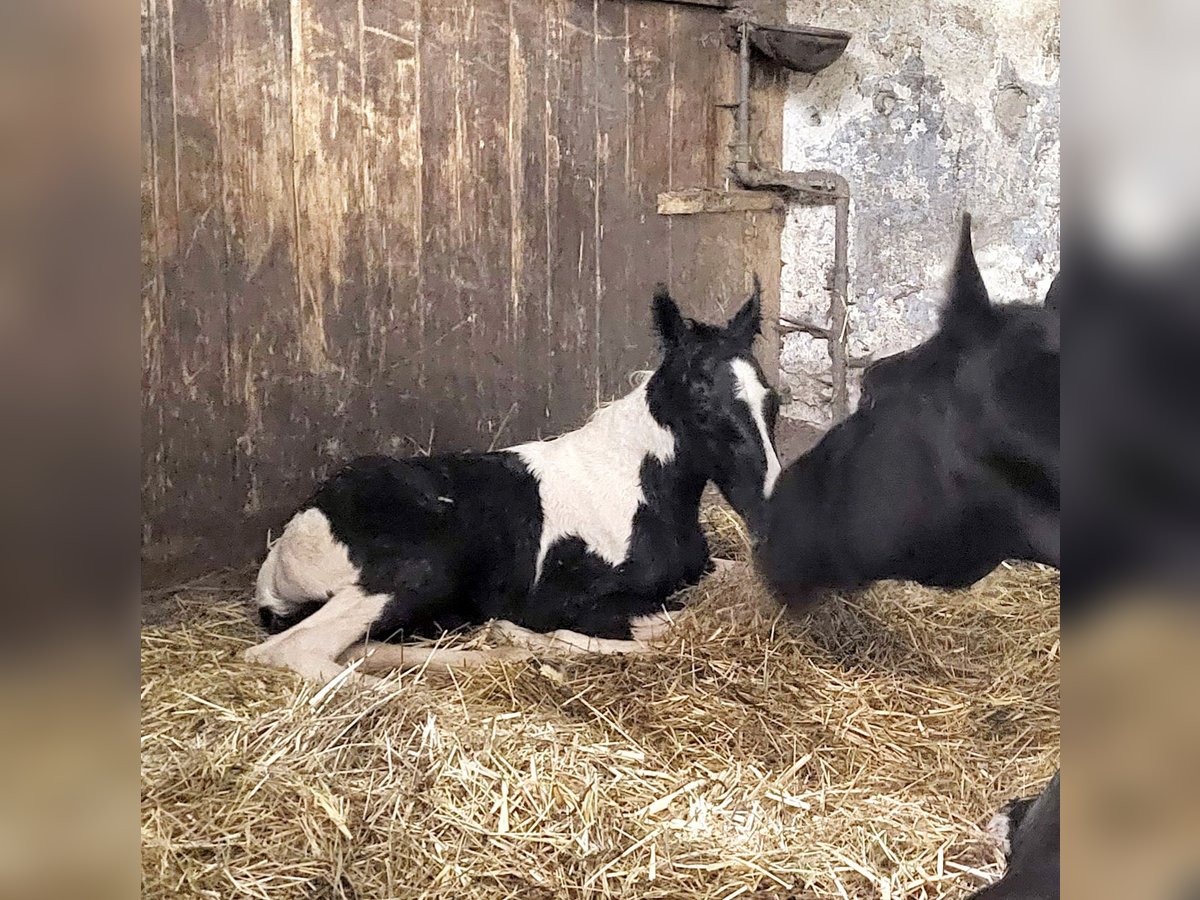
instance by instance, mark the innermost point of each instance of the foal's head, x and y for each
(711, 392)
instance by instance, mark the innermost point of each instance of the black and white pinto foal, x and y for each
(587, 535)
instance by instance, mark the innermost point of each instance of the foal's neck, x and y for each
(627, 427)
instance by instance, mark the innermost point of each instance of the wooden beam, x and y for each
(792, 324)
(717, 4)
(709, 200)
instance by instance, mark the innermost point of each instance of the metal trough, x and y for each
(802, 48)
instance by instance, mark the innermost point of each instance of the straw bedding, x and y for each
(854, 752)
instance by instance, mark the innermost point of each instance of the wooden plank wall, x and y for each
(389, 226)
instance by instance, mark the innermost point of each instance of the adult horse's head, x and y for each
(711, 392)
(949, 465)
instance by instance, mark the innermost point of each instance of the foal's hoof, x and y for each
(311, 668)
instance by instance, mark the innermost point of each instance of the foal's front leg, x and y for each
(646, 630)
(522, 644)
(311, 647)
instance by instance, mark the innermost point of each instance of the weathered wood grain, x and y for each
(265, 388)
(646, 235)
(533, 195)
(191, 466)
(394, 215)
(380, 227)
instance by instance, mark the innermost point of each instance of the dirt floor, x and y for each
(854, 751)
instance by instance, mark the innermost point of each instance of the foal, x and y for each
(584, 535)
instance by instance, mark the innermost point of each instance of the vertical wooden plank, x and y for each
(193, 465)
(393, 215)
(623, 304)
(533, 175)
(649, 97)
(340, 299)
(699, 271)
(760, 252)
(631, 91)
(552, 368)
(575, 361)
(264, 391)
(693, 95)
(765, 253)
(329, 121)
(467, 244)
(154, 485)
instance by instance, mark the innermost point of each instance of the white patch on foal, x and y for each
(589, 480)
(311, 647)
(753, 393)
(306, 563)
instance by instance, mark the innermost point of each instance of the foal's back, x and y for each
(452, 536)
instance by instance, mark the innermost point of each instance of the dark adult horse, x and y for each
(949, 466)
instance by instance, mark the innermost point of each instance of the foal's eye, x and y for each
(704, 393)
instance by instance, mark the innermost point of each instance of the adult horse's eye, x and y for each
(874, 375)
(866, 389)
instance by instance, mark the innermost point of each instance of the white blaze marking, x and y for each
(590, 479)
(753, 393)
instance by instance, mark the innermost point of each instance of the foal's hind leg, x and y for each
(378, 657)
(522, 644)
(646, 630)
(311, 647)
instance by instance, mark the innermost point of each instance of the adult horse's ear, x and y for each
(668, 321)
(747, 321)
(1054, 295)
(968, 294)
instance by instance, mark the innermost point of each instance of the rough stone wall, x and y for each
(937, 106)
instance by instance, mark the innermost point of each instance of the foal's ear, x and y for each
(746, 323)
(968, 294)
(668, 321)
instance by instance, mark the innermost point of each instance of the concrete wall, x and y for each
(937, 106)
